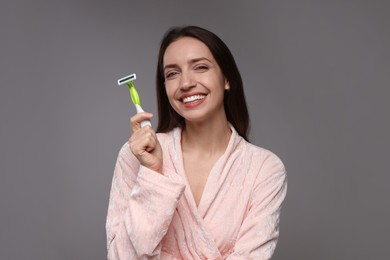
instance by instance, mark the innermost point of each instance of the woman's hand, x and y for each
(144, 143)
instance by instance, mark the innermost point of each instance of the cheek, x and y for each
(173, 103)
(169, 92)
(171, 96)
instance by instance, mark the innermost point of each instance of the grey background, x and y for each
(316, 77)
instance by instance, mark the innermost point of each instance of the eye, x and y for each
(201, 68)
(171, 74)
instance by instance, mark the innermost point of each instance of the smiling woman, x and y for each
(196, 189)
(194, 82)
(234, 99)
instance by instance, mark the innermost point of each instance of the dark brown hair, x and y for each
(234, 99)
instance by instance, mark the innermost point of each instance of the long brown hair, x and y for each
(234, 100)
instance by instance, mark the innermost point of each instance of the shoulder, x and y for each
(267, 156)
(263, 161)
(269, 176)
(258, 157)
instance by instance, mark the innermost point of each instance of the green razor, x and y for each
(128, 80)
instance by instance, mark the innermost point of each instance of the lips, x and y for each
(192, 98)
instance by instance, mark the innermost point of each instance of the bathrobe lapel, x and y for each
(187, 207)
(217, 177)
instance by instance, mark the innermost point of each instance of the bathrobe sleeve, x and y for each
(259, 232)
(141, 207)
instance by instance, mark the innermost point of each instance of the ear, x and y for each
(227, 85)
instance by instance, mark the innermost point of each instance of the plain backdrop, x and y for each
(316, 77)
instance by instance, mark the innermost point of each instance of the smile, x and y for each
(193, 98)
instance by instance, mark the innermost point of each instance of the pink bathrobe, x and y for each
(154, 216)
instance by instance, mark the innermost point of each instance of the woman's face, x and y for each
(194, 82)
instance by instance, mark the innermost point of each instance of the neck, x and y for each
(206, 138)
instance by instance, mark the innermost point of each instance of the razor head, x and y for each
(127, 79)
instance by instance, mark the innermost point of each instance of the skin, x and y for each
(190, 69)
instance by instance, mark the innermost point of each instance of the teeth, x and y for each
(193, 98)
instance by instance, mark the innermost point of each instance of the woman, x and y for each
(196, 189)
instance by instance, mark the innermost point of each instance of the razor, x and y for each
(128, 80)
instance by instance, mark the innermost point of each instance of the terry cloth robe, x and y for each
(154, 216)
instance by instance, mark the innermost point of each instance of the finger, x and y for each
(135, 121)
(151, 143)
(145, 146)
(144, 139)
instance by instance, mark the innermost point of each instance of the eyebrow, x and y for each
(192, 61)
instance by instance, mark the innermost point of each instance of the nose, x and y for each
(187, 82)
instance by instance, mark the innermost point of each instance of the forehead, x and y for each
(186, 48)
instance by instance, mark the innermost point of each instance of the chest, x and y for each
(197, 170)
(226, 203)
